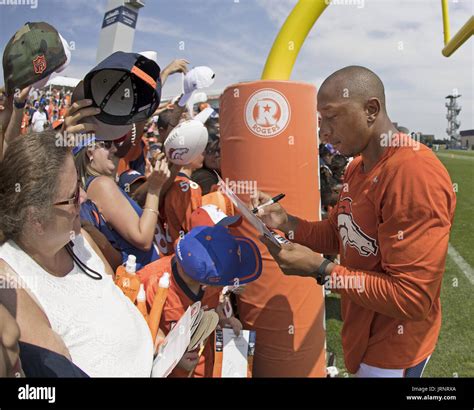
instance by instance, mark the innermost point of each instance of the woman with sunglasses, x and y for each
(128, 227)
(67, 301)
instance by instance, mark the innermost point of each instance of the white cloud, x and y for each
(277, 11)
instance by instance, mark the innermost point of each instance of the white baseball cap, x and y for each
(152, 55)
(210, 215)
(204, 115)
(196, 79)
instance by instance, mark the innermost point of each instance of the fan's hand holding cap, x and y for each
(125, 86)
(33, 53)
(213, 256)
(104, 132)
(196, 79)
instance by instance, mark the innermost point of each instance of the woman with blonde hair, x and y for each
(128, 227)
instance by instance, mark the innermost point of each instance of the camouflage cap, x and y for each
(33, 53)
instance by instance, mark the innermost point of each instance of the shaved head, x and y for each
(355, 83)
(351, 106)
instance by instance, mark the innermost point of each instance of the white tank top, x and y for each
(105, 333)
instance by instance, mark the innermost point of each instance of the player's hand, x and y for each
(10, 365)
(294, 259)
(160, 174)
(76, 114)
(189, 361)
(274, 215)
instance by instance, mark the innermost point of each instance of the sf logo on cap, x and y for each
(39, 64)
(267, 113)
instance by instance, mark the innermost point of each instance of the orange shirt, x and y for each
(62, 112)
(137, 153)
(179, 298)
(391, 227)
(25, 120)
(184, 197)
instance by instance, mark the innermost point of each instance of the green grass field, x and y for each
(469, 153)
(454, 354)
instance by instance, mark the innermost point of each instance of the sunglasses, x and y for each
(74, 200)
(103, 144)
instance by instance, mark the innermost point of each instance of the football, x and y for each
(186, 142)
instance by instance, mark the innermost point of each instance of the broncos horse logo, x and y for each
(177, 153)
(351, 233)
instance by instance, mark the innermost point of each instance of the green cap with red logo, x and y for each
(32, 54)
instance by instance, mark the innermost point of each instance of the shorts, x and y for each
(370, 371)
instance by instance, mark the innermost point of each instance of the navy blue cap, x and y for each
(125, 86)
(213, 256)
(127, 178)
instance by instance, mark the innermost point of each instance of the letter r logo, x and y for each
(267, 109)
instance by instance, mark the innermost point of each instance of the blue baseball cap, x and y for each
(127, 178)
(331, 149)
(211, 255)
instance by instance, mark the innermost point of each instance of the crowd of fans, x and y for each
(71, 217)
(331, 176)
(45, 109)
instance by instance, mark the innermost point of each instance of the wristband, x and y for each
(18, 105)
(321, 272)
(152, 210)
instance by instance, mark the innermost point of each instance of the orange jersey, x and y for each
(184, 197)
(220, 200)
(179, 298)
(391, 227)
(62, 112)
(135, 158)
(25, 120)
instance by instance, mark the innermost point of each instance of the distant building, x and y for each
(467, 139)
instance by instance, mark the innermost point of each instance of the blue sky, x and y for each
(400, 40)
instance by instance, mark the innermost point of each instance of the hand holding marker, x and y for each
(269, 202)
